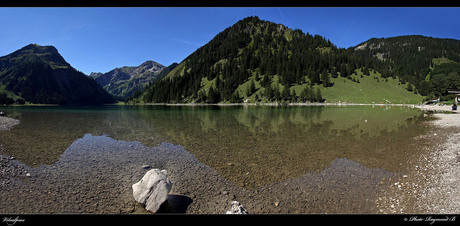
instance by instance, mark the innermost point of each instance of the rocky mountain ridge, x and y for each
(40, 75)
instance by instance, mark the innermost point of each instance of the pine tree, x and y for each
(276, 92)
(236, 97)
(286, 95)
(252, 87)
(318, 96)
(213, 96)
(325, 79)
(304, 94)
(268, 93)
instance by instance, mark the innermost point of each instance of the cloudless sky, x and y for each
(101, 39)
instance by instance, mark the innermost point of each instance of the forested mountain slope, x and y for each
(40, 75)
(260, 61)
(431, 65)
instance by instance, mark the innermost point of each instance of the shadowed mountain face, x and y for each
(40, 75)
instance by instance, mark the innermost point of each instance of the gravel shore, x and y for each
(431, 185)
(442, 193)
(7, 123)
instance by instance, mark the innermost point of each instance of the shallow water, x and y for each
(254, 147)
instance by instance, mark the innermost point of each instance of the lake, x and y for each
(253, 148)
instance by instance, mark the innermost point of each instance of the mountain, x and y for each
(124, 82)
(39, 74)
(429, 64)
(251, 50)
(261, 61)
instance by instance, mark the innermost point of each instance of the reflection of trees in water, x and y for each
(263, 144)
(250, 145)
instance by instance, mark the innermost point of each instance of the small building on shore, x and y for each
(457, 95)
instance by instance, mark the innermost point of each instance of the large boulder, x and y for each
(237, 208)
(153, 189)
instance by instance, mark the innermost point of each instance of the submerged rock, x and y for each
(153, 189)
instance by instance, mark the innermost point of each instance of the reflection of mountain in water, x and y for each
(45, 132)
(257, 145)
(43, 135)
(251, 145)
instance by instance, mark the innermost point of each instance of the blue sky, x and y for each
(101, 39)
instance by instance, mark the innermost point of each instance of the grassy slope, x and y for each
(372, 89)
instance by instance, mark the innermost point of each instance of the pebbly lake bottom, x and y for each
(356, 165)
(95, 174)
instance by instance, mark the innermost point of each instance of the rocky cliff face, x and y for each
(123, 82)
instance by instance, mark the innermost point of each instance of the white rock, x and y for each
(237, 208)
(153, 189)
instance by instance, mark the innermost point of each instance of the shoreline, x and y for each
(436, 108)
(268, 104)
(442, 193)
(237, 104)
(431, 183)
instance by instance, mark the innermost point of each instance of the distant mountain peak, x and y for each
(124, 81)
(48, 54)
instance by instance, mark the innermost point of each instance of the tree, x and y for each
(251, 89)
(325, 79)
(343, 71)
(236, 97)
(20, 101)
(213, 96)
(317, 96)
(5, 100)
(304, 94)
(202, 97)
(266, 81)
(276, 92)
(410, 88)
(293, 96)
(286, 95)
(268, 93)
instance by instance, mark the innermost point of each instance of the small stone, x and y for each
(225, 193)
(277, 203)
(146, 166)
